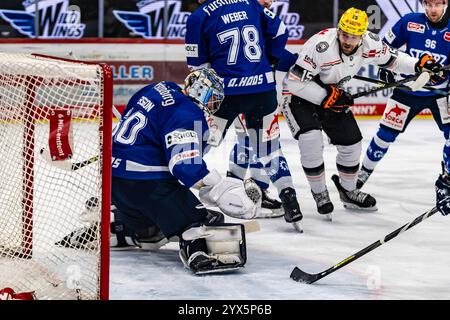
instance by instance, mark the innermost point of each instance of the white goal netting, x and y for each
(50, 216)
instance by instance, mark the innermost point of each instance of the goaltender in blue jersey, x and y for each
(158, 149)
(233, 40)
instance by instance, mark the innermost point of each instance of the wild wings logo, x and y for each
(57, 19)
(290, 19)
(149, 21)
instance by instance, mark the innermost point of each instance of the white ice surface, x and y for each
(414, 265)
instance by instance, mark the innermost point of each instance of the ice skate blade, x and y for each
(353, 207)
(297, 226)
(225, 270)
(270, 213)
(327, 217)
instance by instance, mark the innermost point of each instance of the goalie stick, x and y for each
(302, 276)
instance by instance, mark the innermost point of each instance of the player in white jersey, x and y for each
(318, 103)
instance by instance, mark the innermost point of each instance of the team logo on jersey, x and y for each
(447, 36)
(390, 36)
(373, 36)
(57, 19)
(322, 46)
(149, 21)
(290, 19)
(416, 27)
(395, 115)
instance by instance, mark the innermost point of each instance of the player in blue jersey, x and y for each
(158, 155)
(231, 37)
(420, 32)
(243, 159)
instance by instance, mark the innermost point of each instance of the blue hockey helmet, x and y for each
(206, 88)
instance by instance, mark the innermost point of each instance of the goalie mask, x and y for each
(206, 88)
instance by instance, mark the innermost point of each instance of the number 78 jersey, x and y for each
(235, 39)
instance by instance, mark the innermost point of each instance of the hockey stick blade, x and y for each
(304, 277)
(421, 81)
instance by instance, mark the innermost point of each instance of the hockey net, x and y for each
(54, 223)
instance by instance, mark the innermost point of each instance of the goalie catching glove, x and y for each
(230, 195)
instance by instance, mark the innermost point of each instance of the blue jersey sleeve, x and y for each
(396, 36)
(196, 45)
(286, 61)
(182, 139)
(275, 33)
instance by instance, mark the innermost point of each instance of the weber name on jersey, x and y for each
(321, 60)
(421, 36)
(160, 136)
(235, 37)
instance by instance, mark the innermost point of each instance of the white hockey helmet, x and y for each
(206, 88)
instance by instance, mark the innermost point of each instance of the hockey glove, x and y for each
(337, 99)
(427, 63)
(386, 75)
(443, 194)
(229, 195)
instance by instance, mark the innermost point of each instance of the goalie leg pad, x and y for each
(213, 249)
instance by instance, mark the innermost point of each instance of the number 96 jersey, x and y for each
(421, 36)
(235, 38)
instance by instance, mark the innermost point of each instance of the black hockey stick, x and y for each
(418, 77)
(302, 276)
(388, 85)
(406, 88)
(81, 164)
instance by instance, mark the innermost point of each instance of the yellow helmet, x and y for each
(354, 21)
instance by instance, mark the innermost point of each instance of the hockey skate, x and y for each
(292, 213)
(81, 238)
(324, 205)
(363, 176)
(270, 208)
(355, 199)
